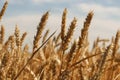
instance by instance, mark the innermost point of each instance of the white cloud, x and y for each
(48, 1)
(16, 1)
(41, 1)
(35, 1)
(99, 9)
(108, 24)
(104, 28)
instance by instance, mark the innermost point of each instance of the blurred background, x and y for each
(27, 14)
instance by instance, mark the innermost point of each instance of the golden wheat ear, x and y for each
(23, 38)
(17, 36)
(2, 33)
(3, 9)
(63, 24)
(69, 34)
(84, 32)
(45, 35)
(40, 29)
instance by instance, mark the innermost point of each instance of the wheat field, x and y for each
(53, 58)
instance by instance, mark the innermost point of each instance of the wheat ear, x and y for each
(3, 9)
(2, 32)
(40, 30)
(84, 31)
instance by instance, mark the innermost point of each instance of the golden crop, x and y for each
(52, 58)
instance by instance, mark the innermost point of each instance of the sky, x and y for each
(27, 14)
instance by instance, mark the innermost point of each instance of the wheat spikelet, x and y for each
(67, 39)
(7, 43)
(39, 30)
(45, 36)
(23, 37)
(57, 38)
(95, 44)
(2, 32)
(26, 48)
(84, 31)
(116, 43)
(3, 10)
(17, 36)
(112, 39)
(115, 49)
(18, 52)
(12, 42)
(63, 24)
(69, 34)
(70, 54)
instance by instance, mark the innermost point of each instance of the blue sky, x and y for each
(27, 13)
